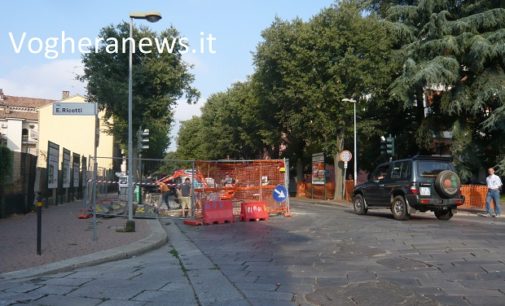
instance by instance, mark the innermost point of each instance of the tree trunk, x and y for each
(339, 169)
(299, 170)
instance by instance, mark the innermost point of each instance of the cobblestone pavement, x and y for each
(323, 255)
(330, 256)
(155, 278)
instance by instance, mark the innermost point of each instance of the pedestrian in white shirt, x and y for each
(494, 185)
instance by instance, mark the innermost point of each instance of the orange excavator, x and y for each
(178, 176)
(200, 183)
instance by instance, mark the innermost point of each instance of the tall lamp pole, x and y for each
(151, 17)
(355, 152)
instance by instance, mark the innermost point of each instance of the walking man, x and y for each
(186, 197)
(494, 185)
(164, 193)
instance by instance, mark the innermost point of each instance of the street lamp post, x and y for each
(151, 17)
(355, 152)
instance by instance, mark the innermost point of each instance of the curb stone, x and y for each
(156, 239)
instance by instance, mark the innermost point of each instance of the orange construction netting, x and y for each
(241, 181)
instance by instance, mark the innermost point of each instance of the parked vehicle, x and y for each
(421, 183)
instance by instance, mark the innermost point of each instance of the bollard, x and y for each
(39, 203)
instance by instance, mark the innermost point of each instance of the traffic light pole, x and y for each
(390, 145)
(143, 137)
(355, 152)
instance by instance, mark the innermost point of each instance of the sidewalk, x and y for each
(64, 236)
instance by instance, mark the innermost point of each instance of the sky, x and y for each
(235, 24)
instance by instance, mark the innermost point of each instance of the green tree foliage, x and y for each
(190, 140)
(293, 101)
(427, 67)
(230, 127)
(230, 121)
(382, 6)
(454, 53)
(305, 69)
(159, 80)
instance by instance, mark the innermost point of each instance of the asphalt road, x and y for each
(323, 255)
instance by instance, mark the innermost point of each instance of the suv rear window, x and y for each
(432, 167)
(401, 170)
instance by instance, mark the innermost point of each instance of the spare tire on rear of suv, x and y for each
(447, 183)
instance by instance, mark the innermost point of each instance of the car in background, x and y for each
(420, 183)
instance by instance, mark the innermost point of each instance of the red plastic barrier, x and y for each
(215, 212)
(193, 222)
(253, 211)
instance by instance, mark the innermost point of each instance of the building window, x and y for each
(25, 135)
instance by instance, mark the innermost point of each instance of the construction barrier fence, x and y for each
(475, 195)
(236, 182)
(323, 192)
(242, 181)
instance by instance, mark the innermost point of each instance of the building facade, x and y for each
(19, 122)
(76, 134)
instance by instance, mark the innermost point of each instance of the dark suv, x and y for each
(405, 186)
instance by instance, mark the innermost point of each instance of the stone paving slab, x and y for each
(123, 282)
(55, 300)
(209, 283)
(64, 236)
(155, 239)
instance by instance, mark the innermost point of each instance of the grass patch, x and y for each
(216, 267)
(184, 270)
(174, 253)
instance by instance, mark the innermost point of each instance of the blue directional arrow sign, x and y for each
(280, 193)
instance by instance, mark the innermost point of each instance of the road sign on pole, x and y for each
(74, 109)
(345, 156)
(280, 193)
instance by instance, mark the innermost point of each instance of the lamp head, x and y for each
(149, 16)
(348, 100)
(153, 17)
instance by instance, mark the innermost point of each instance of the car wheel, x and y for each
(444, 214)
(359, 205)
(399, 208)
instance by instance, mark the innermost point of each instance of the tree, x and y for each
(231, 124)
(159, 80)
(381, 7)
(304, 70)
(454, 75)
(190, 140)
